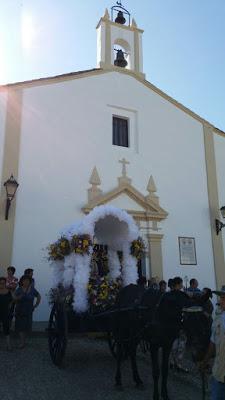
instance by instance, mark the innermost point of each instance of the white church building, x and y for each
(108, 136)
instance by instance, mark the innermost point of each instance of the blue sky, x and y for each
(183, 45)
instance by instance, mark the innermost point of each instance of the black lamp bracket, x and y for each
(11, 186)
(8, 204)
(219, 226)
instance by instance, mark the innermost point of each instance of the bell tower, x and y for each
(119, 41)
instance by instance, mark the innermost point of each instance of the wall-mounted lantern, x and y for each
(11, 186)
(219, 224)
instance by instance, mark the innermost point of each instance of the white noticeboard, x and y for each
(187, 251)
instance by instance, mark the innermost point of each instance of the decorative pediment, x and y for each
(127, 197)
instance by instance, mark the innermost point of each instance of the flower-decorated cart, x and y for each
(90, 262)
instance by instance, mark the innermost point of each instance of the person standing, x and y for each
(179, 344)
(153, 284)
(5, 303)
(193, 288)
(29, 272)
(217, 350)
(170, 284)
(162, 286)
(11, 280)
(24, 297)
(11, 284)
(208, 306)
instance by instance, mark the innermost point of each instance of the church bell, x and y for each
(120, 60)
(120, 18)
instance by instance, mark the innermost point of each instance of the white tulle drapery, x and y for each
(80, 282)
(112, 227)
(69, 266)
(129, 269)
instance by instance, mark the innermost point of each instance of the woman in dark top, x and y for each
(24, 297)
(5, 303)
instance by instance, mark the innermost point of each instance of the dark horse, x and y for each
(157, 319)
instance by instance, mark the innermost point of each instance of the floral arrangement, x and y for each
(71, 259)
(137, 248)
(80, 244)
(58, 250)
(53, 252)
(102, 293)
(63, 247)
(60, 294)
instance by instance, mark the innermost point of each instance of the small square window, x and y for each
(120, 132)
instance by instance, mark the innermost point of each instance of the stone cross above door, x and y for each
(124, 178)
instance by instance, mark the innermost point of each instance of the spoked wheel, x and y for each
(57, 333)
(112, 344)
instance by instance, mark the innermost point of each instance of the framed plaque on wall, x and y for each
(187, 250)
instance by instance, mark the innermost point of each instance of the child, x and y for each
(11, 280)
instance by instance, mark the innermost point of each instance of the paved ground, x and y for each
(88, 373)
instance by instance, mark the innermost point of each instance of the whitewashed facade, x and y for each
(64, 125)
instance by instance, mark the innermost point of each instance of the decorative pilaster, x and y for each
(214, 205)
(155, 255)
(10, 165)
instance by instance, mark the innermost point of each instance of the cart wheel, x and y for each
(112, 344)
(57, 333)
